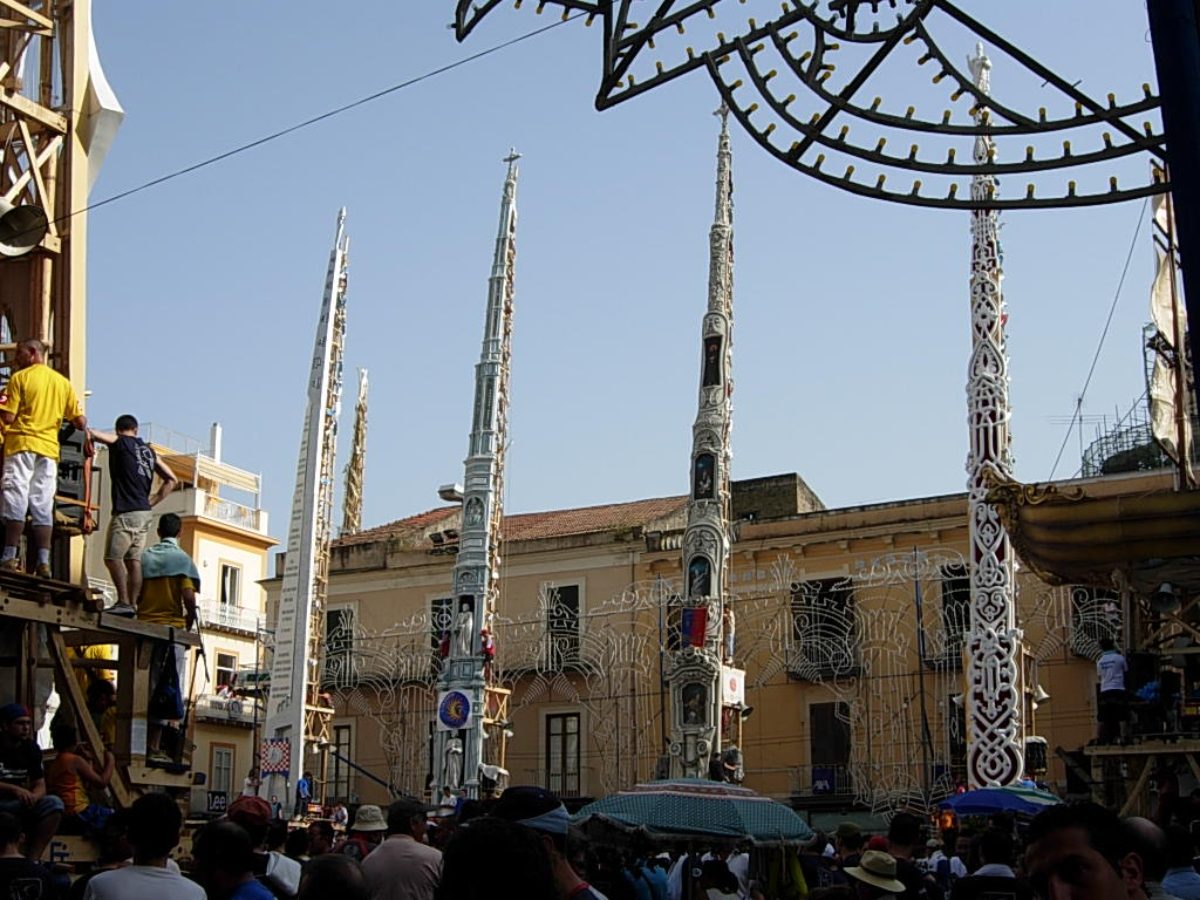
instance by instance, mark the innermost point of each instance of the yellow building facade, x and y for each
(848, 623)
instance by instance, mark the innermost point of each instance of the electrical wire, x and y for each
(1103, 334)
(329, 114)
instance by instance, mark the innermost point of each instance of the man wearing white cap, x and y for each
(874, 877)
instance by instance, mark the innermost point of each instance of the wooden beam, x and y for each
(13, 25)
(33, 170)
(36, 163)
(1069, 761)
(22, 10)
(70, 685)
(147, 630)
(1191, 761)
(28, 108)
(1135, 792)
(152, 776)
(1145, 748)
(101, 628)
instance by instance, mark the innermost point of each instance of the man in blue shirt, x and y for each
(303, 795)
(224, 862)
(1181, 879)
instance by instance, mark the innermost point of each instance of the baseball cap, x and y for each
(249, 811)
(534, 807)
(12, 711)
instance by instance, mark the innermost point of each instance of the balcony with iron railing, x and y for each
(232, 513)
(192, 501)
(237, 711)
(822, 781)
(227, 616)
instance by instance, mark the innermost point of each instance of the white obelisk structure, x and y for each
(695, 661)
(459, 717)
(294, 711)
(995, 732)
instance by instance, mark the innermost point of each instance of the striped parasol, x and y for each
(985, 801)
(690, 808)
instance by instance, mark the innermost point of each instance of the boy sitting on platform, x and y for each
(69, 776)
(22, 781)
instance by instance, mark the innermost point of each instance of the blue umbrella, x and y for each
(985, 801)
(692, 808)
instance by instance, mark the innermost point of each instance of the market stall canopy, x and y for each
(693, 808)
(985, 801)
(1072, 535)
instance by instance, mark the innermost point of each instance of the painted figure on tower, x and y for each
(464, 627)
(712, 361)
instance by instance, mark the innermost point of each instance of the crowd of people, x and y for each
(1074, 851)
(519, 845)
(523, 845)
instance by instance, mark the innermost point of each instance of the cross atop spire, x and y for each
(512, 157)
(723, 112)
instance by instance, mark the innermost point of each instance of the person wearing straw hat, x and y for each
(366, 832)
(875, 876)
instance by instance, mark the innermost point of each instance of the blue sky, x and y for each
(851, 316)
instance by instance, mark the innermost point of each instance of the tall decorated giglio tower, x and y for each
(461, 715)
(995, 750)
(695, 658)
(297, 718)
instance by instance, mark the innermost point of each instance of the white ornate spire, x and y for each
(477, 567)
(995, 732)
(294, 711)
(356, 468)
(696, 662)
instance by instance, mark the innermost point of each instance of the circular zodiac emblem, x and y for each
(455, 709)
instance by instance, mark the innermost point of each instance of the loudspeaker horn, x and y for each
(21, 228)
(1040, 695)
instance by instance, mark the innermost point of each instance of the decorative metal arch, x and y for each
(781, 76)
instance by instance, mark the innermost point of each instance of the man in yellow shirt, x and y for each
(32, 408)
(169, 584)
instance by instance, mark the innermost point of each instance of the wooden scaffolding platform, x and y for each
(52, 616)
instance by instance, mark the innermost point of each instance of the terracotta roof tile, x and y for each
(417, 523)
(590, 519)
(532, 526)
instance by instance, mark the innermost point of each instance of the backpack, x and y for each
(166, 703)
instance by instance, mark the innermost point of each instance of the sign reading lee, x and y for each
(218, 802)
